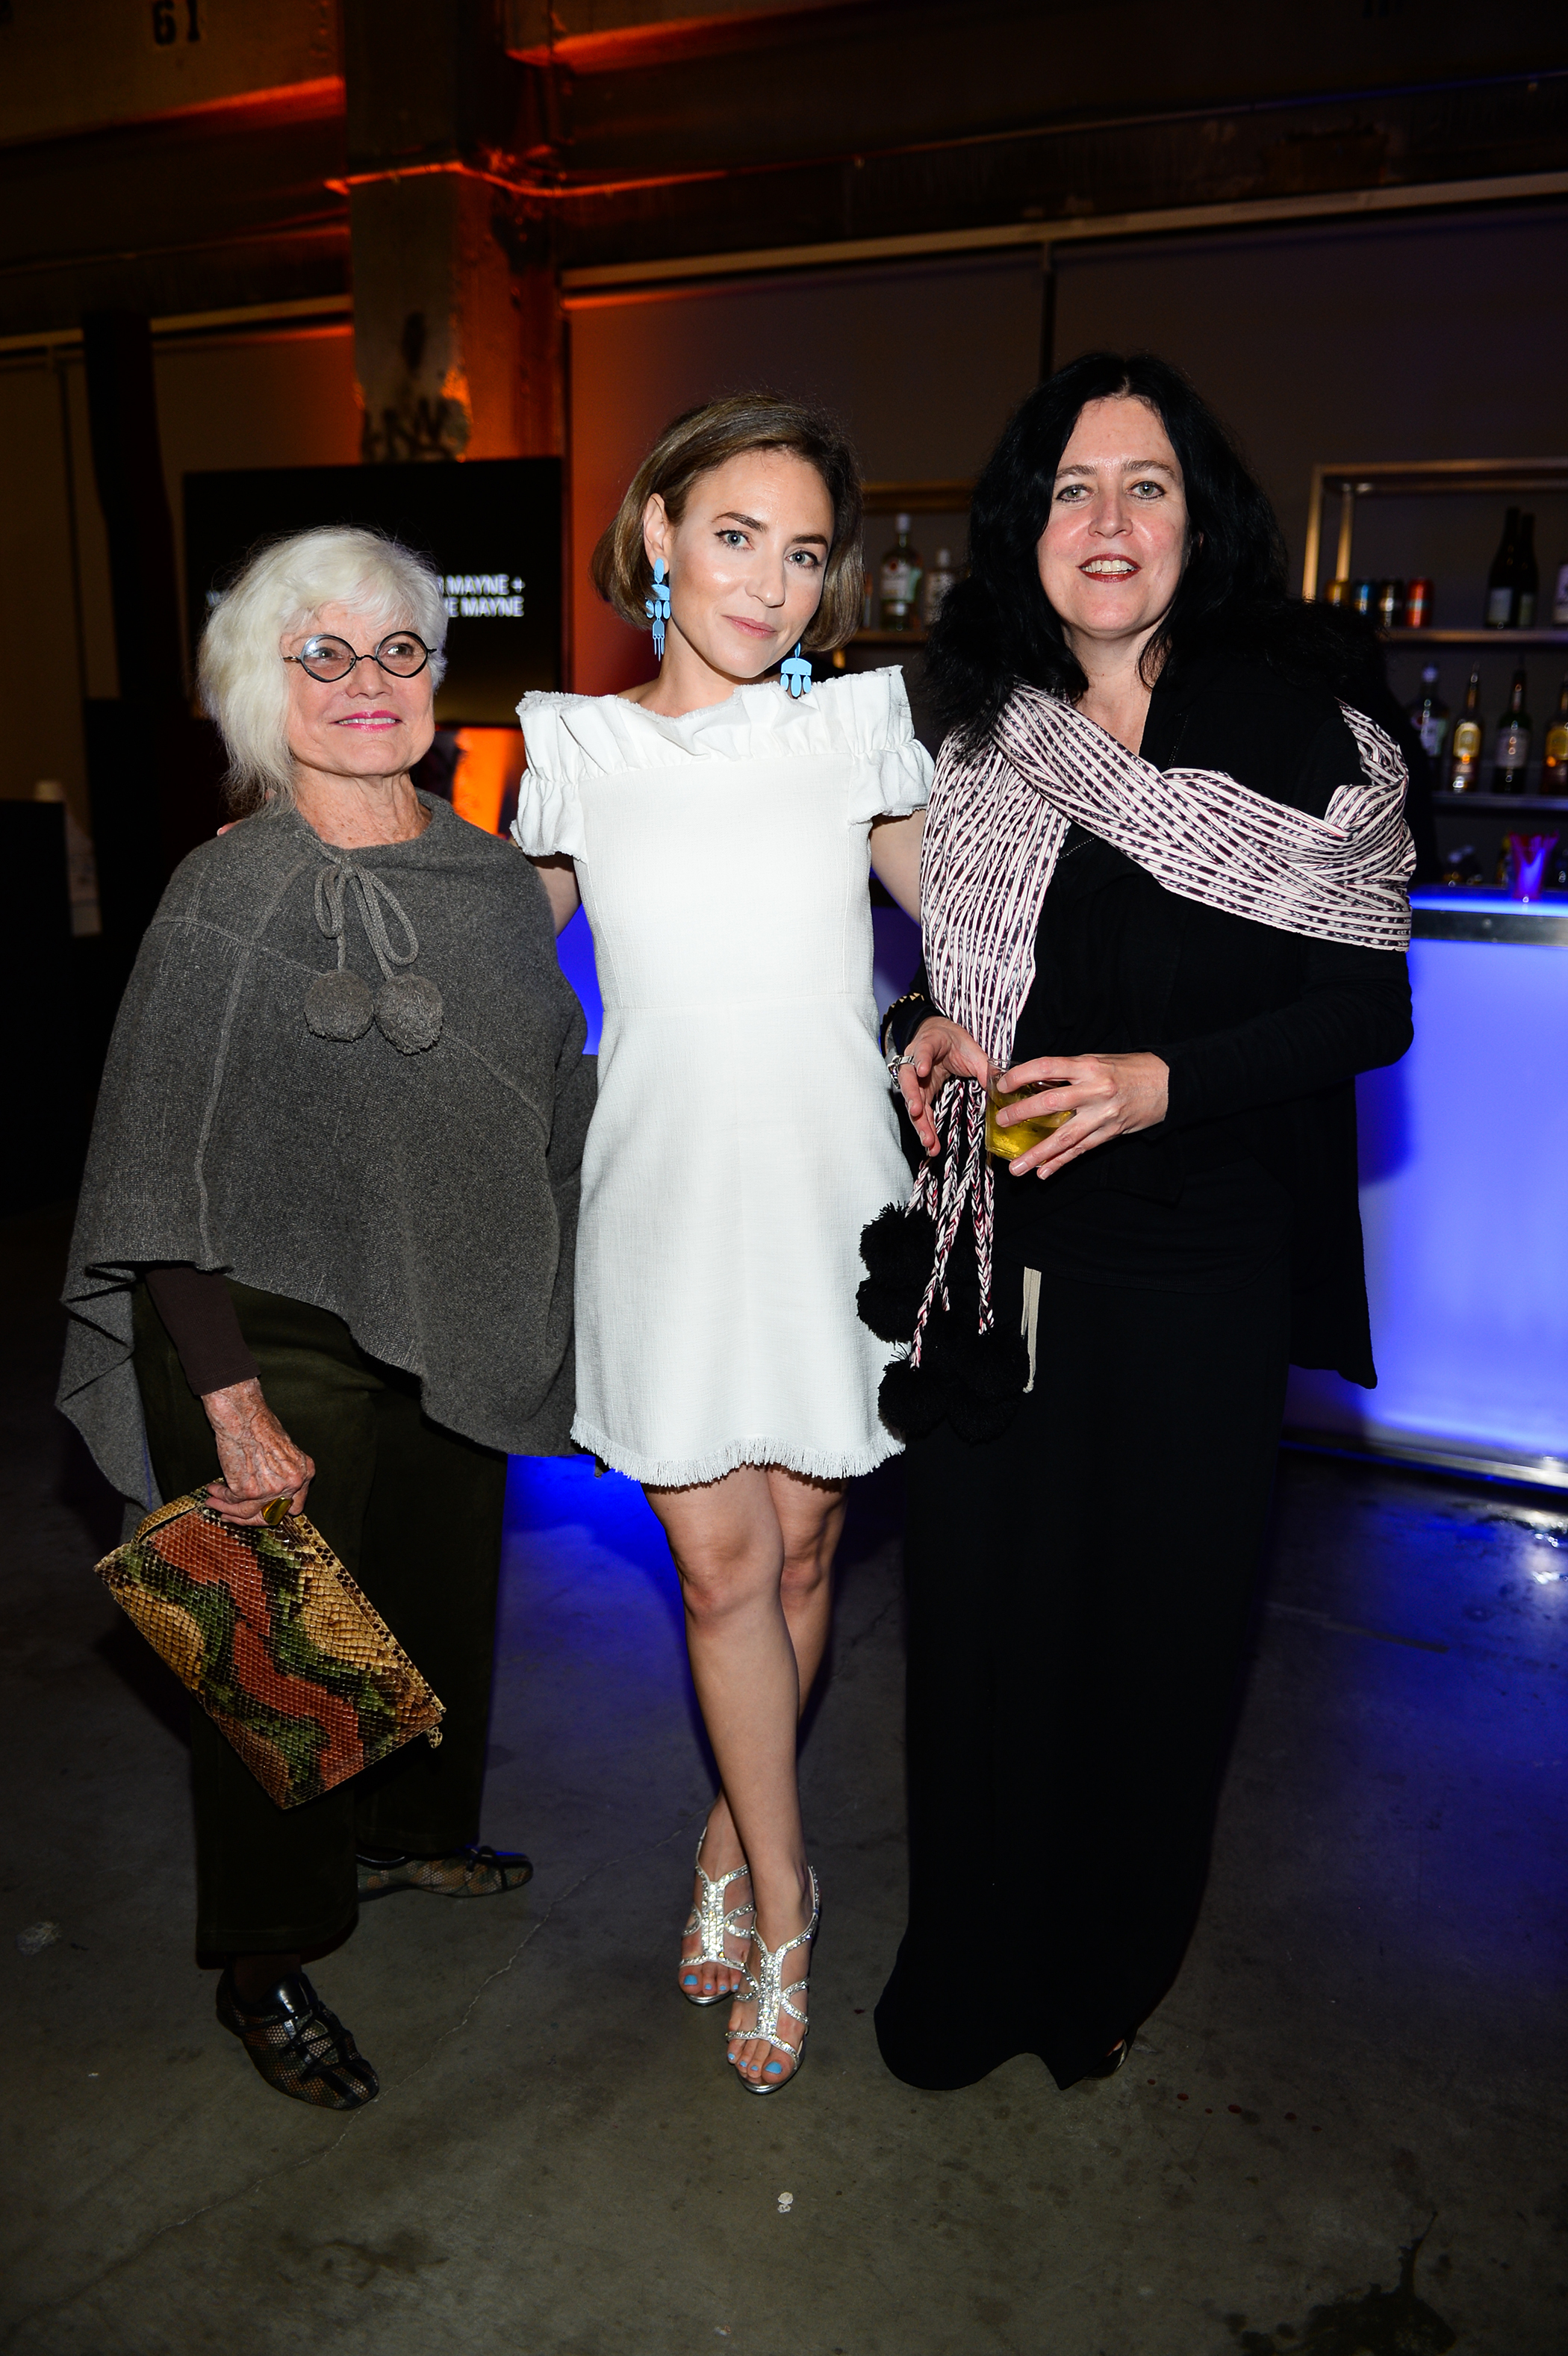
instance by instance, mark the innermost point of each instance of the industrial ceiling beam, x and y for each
(594, 134)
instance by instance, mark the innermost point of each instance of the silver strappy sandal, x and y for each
(771, 1993)
(709, 1921)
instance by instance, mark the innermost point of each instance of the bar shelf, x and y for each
(1494, 805)
(1547, 638)
(1425, 477)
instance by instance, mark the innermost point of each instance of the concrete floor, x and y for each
(1343, 2131)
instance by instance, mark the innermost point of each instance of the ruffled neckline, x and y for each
(862, 714)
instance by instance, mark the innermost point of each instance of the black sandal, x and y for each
(466, 1873)
(298, 2045)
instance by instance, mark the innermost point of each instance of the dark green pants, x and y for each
(415, 1514)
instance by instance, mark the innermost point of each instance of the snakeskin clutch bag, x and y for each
(288, 1658)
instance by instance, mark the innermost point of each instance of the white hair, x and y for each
(244, 683)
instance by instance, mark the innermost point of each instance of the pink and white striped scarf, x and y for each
(993, 833)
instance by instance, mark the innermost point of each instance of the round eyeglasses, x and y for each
(401, 656)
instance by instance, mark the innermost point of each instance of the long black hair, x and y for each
(997, 627)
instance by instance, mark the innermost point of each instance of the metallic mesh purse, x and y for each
(288, 1658)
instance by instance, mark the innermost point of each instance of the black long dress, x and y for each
(1071, 1690)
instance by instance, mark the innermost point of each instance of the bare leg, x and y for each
(755, 1552)
(811, 1522)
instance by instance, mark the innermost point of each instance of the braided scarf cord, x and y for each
(994, 832)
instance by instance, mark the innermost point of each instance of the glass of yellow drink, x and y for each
(1008, 1139)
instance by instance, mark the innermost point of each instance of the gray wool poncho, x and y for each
(425, 1193)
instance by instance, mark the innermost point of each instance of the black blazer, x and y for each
(1263, 1031)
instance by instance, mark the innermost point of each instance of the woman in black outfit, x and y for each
(1137, 894)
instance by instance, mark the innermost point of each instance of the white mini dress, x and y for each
(743, 1134)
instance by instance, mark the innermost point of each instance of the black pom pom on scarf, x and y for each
(912, 1400)
(970, 1379)
(986, 1367)
(898, 1248)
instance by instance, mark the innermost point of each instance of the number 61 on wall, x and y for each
(169, 15)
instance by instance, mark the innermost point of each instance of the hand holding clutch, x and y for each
(259, 1462)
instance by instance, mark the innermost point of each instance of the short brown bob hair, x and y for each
(702, 439)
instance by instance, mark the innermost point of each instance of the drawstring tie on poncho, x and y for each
(406, 1009)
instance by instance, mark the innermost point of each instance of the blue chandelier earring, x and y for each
(795, 674)
(656, 607)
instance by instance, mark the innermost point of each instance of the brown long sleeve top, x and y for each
(201, 1320)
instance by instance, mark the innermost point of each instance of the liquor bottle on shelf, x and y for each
(1511, 754)
(1418, 603)
(1527, 576)
(1363, 598)
(1430, 715)
(936, 584)
(1464, 757)
(1390, 605)
(1338, 592)
(1500, 579)
(1559, 603)
(1555, 761)
(900, 606)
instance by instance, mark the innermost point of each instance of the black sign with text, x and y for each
(491, 527)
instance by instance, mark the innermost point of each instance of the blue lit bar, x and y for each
(1464, 1148)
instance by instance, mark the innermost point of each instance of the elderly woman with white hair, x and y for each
(326, 1235)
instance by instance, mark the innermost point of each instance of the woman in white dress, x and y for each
(717, 824)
